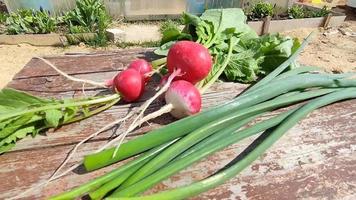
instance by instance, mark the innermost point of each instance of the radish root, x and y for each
(139, 120)
(71, 77)
(74, 150)
(54, 176)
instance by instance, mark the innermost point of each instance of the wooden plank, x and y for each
(316, 159)
(266, 24)
(257, 26)
(83, 64)
(33, 39)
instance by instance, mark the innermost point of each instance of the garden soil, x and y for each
(334, 52)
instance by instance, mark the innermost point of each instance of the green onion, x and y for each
(269, 105)
(237, 166)
(209, 129)
(299, 70)
(116, 182)
(175, 167)
(109, 176)
(186, 125)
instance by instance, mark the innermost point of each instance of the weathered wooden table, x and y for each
(315, 160)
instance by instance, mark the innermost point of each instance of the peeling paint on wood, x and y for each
(314, 160)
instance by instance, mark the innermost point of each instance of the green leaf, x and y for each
(223, 19)
(70, 113)
(191, 19)
(53, 117)
(174, 34)
(6, 148)
(243, 67)
(6, 109)
(16, 123)
(19, 134)
(17, 99)
(163, 50)
(12, 125)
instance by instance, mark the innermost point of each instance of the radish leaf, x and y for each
(22, 114)
(53, 117)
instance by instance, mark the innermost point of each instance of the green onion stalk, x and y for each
(272, 134)
(128, 168)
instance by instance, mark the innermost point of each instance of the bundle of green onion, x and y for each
(166, 151)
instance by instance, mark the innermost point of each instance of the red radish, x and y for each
(184, 97)
(143, 67)
(109, 83)
(130, 84)
(192, 59)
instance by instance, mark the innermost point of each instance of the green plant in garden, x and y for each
(3, 17)
(30, 21)
(262, 9)
(296, 12)
(168, 25)
(89, 16)
(324, 11)
(146, 44)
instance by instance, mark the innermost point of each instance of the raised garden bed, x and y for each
(283, 23)
(46, 39)
(275, 26)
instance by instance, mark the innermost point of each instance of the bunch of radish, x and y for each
(188, 63)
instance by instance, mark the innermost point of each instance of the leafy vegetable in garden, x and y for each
(262, 9)
(298, 11)
(89, 16)
(3, 17)
(30, 21)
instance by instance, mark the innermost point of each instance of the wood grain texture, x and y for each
(314, 160)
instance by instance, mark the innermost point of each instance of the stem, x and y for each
(114, 183)
(71, 77)
(227, 137)
(221, 70)
(62, 105)
(157, 70)
(92, 185)
(94, 112)
(299, 70)
(159, 62)
(187, 145)
(235, 167)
